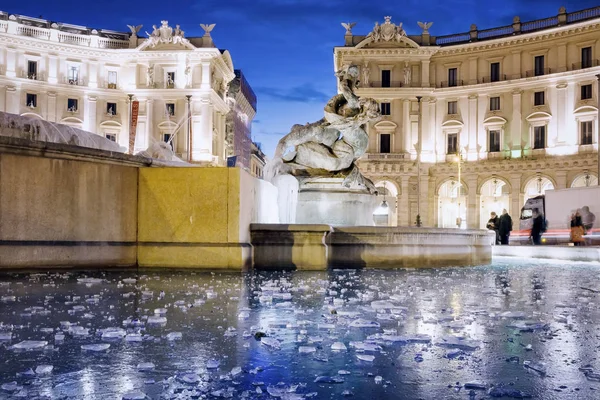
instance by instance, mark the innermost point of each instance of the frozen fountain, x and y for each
(38, 130)
(326, 205)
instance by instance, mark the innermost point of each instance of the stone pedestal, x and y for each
(326, 201)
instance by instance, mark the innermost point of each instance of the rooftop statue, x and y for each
(165, 35)
(330, 147)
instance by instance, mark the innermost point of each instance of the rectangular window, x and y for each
(452, 107)
(170, 109)
(494, 72)
(586, 92)
(72, 105)
(494, 141)
(32, 69)
(452, 77)
(385, 143)
(386, 78)
(538, 65)
(586, 132)
(386, 109)
(167, 139)
(539, 137)
(494, 103)
(452, 145)
(111, 136)
(31, 100)
(111, 108)
(112, 79)
(73, 75)
(538, 99)
(170, 80)
(586, 57)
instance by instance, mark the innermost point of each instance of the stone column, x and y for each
(406, 142)
(13, 103)
(561, 179)
(516, 198)
(516, 124)
(473, 202)
(426, 134)
(205, 81)
(3, 98)
(561, 114)
(150, 136)
(11, 63)
(202, 140)
(472, 129)
(93, 74)
(52, 69)
(425, 73)
(93, 113)
(403, 201)
(51, 111)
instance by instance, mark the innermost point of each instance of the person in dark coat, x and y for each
(538, 227)
(493, 224)
(505, 227)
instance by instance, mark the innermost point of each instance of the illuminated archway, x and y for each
(452, 205)
(386, 213)
(494, 196)
(536, 186)
(584, 180)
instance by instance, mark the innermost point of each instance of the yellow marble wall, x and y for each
(194, 217)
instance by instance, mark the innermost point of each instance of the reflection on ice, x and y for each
(447, 333)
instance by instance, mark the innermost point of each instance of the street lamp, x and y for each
(189, 121)
(131, 134)
(419, 146)
(598, 129)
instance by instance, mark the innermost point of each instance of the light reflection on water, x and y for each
(466, 302)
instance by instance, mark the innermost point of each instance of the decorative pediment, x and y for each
(167, 126)
(585, 110)
(536, 116)
(494, 120)
(452, 121)
(385, 126)
(72, 121)
(387, 34)
(110, 124)
(166, 38)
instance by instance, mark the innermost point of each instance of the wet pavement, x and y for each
(515, 329)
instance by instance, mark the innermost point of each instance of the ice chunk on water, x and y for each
(343, 372)
(157, 320)
(43, 369)
(189, 378)
(11, 387)
(382, 305)
(113, 333)
(145, 366)
(135, 395)
(212, 364)
(306, 349)
(378, 379)
(59, 337)
(133, 337)
(90, 281)
(536, 366)
(329, 379)
(365, 357)
(364, 346)
(160, 311)
(129, 280)
(30, 345)
(271, 342)
(174, 336)
(459, 343)
(5, 336)
(78, 330)
(95, 347)
(338, 346)
(363, 323)
(235, 371)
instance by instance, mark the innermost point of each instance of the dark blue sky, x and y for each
(285, 47)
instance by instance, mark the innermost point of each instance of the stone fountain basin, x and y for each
(319, 247)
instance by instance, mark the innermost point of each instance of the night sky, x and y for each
(285, 47)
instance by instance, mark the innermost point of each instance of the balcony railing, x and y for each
(538, 72)
(71, 38)
(32, 76)
(488, 79)
(104, 43)
(583, 65)
(445, 84)
(518, 27)
(34, 32)
(379, 84)
(387, 156)
(74, 81)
